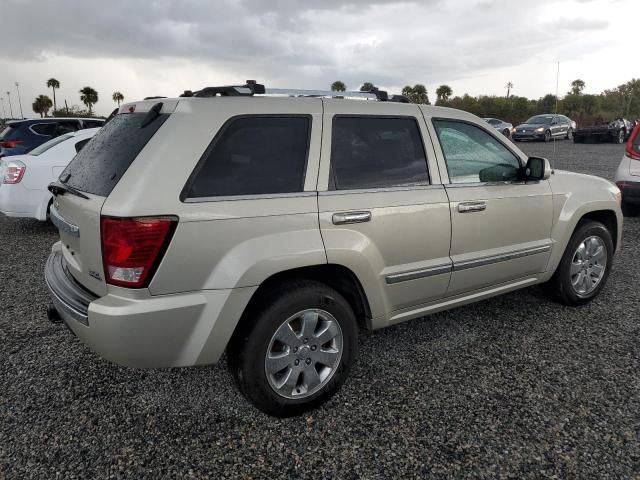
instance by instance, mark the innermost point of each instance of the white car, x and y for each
(628, 174)
(23, 188)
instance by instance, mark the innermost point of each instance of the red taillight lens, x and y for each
(633, 144)
(133, 247)
(13, 172)
(10, 143)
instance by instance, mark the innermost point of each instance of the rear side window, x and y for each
(50, 144)
(91, 123)
(254, 155)
(98, 167)
(80, 145)
(47, 129)
(9, 133)
(377, 152)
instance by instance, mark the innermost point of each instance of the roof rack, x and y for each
(252, 88)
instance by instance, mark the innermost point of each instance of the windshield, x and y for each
(50, 144)
(540, 119)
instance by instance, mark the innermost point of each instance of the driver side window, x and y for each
(473, 155)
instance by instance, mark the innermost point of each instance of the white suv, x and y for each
(273, 228)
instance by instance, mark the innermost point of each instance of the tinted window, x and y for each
(67, 126)
(493, 121)
(50, 144)
(98, 167)
(374, 152)
(474, 155)
(254, 155)
(44, 128)
(91, 123)
(9, 133)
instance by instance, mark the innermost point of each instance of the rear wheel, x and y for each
(619, 138)
(569, 134)
(585, 265)
(547, 136)
(297, 350)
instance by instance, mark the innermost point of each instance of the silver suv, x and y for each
(274, 227)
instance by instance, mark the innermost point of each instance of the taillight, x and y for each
(13, 172)
(133, 247)
(9, 143)
(633, 144)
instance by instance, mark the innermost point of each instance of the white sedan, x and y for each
(24, 178)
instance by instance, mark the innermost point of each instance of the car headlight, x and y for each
(541, 129)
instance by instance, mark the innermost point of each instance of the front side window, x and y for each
(377, 152)
(473, 155)
(254, 155)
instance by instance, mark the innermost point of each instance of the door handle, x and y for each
(468, 207)
(344, 218)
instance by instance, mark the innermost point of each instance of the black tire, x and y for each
(506, 132)
(619, 138)
(569, 134)
(559, 286)
(248, 349)
(547, 136)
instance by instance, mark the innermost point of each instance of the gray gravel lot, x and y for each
(513, 387)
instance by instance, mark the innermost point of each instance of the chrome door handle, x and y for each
(468, 207)
(350, 217)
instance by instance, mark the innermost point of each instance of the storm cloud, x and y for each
(290, 43)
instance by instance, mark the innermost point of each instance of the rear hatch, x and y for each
(85, 184)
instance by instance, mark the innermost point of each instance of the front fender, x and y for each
(575, 196)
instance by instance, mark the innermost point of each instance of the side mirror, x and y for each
(537, 168)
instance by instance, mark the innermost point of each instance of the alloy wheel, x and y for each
(588, 265)
(304, 354)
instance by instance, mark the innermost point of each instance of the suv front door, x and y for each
(500, 225)
(383, 211)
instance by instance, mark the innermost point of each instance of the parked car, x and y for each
(544, 127)
(616, 131)
(289, 223)
(21, 136)
(25, 178)
(505, 127)
(628, 174)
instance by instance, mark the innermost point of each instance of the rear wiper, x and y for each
(60, 189)
(154, 112)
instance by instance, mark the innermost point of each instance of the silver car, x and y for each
(505, 127)
(288, 223)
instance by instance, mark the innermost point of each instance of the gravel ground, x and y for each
(513, 387)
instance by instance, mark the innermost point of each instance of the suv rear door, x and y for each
(93, 174)
(383, 212)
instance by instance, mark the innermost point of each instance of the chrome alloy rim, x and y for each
(304, 353)
(588, 265)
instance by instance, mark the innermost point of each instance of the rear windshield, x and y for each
(9, 133)
(98, 167)
(50, 144)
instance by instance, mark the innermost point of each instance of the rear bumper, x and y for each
(147, 331)
(630, 191)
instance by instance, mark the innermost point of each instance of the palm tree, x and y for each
(367, 87)
(118, 97)
(443, 93)
(52, 83)
(577, 86)
(89, 97)
(417, 94)
(338, 86)
(41, 105)
(509, 86)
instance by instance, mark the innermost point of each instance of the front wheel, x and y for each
(297, 350)
(585, 265)
(547, 136)
(506, 132)
(619, 138)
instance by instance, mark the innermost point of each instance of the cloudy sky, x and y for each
(162, 47)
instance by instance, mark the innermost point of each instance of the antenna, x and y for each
(557, 93)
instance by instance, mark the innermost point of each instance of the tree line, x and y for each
(621, 101)
(88, 96)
